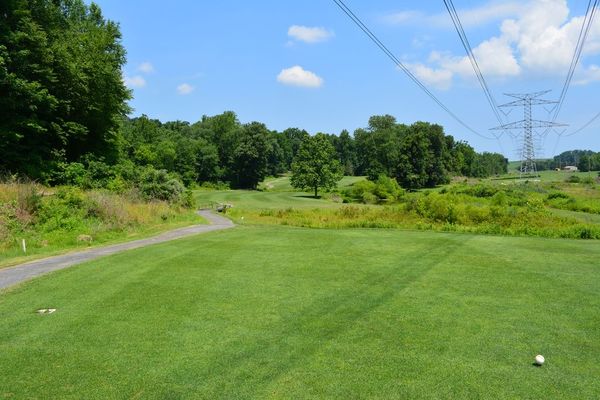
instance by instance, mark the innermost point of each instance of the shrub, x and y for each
(573, 179)
(69, 174)
(557, 195)
(215, 185)
(387, 188)
(159, 185)
(484, 191)
(588, 180)
(188, 200)
(500, 199)
(369, 192)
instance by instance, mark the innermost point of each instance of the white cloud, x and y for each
(184, 89)
(495, 58)
(298, 76)
(536, 38)
(409, 17)
(490, 12)
(146, 67)
(485, 14)
(438, 78)
(134, 82)
(591, 74)
(309, 34)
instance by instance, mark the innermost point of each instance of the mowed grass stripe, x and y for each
(263, 200)
(275, 312)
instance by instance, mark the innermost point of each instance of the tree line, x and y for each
(584, 160)
(221, 150)
(63, 121)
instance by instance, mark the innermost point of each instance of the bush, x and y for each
(369, 192)
(159, 185)
(215, 185)
(573, 179)
(69, 174)
(500, 199)
(88, 174)
(588, 180)
(557, 195)
(387, 188)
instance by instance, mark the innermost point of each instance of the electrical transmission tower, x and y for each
(528, 127)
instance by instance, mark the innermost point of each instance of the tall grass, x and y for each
(54, 219)
(524, 210)
(472, 219)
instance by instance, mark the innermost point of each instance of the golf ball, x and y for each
(539, 359)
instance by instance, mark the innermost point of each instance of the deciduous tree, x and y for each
(316, 165)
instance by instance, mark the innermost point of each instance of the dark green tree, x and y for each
(377, 146)
(316, 165)
(61, 84)
(346, 152)
(290, 141)
(250, 156)
(423, 157)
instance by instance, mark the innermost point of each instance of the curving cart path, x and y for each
(13, 275)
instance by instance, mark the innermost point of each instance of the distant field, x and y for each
(260, 200)
(277, 194)
(282, 183)
(545, 176)
(276, 312)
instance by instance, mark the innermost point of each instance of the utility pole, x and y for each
(527, 125)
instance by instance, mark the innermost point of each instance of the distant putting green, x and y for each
(260, 200)
(278, 194)
(282, 183)
(276, 312)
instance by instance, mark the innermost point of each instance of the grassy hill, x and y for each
(272, 311)
(276, 312)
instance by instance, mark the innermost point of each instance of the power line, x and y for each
(583, 33)
(469, 50)
(584, 125)
(395, 60)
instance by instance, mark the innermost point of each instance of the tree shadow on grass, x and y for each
(308, 196)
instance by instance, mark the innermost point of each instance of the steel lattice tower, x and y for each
(527, 126)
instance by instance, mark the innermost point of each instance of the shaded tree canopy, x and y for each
(61, 84)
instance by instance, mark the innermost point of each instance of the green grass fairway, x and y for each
(276, 312)
(261, 200)
(282, 183)
(278, 194)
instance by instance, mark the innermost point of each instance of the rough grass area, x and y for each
(60, 219)
(554, 210)
(274, 312)
(548, 176)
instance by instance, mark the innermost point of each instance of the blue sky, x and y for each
(305, 64)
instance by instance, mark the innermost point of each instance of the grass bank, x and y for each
(57, 220)
(275, 312)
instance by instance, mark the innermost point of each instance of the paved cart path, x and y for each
(13, 275)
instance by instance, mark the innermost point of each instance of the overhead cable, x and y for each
(404, 68)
